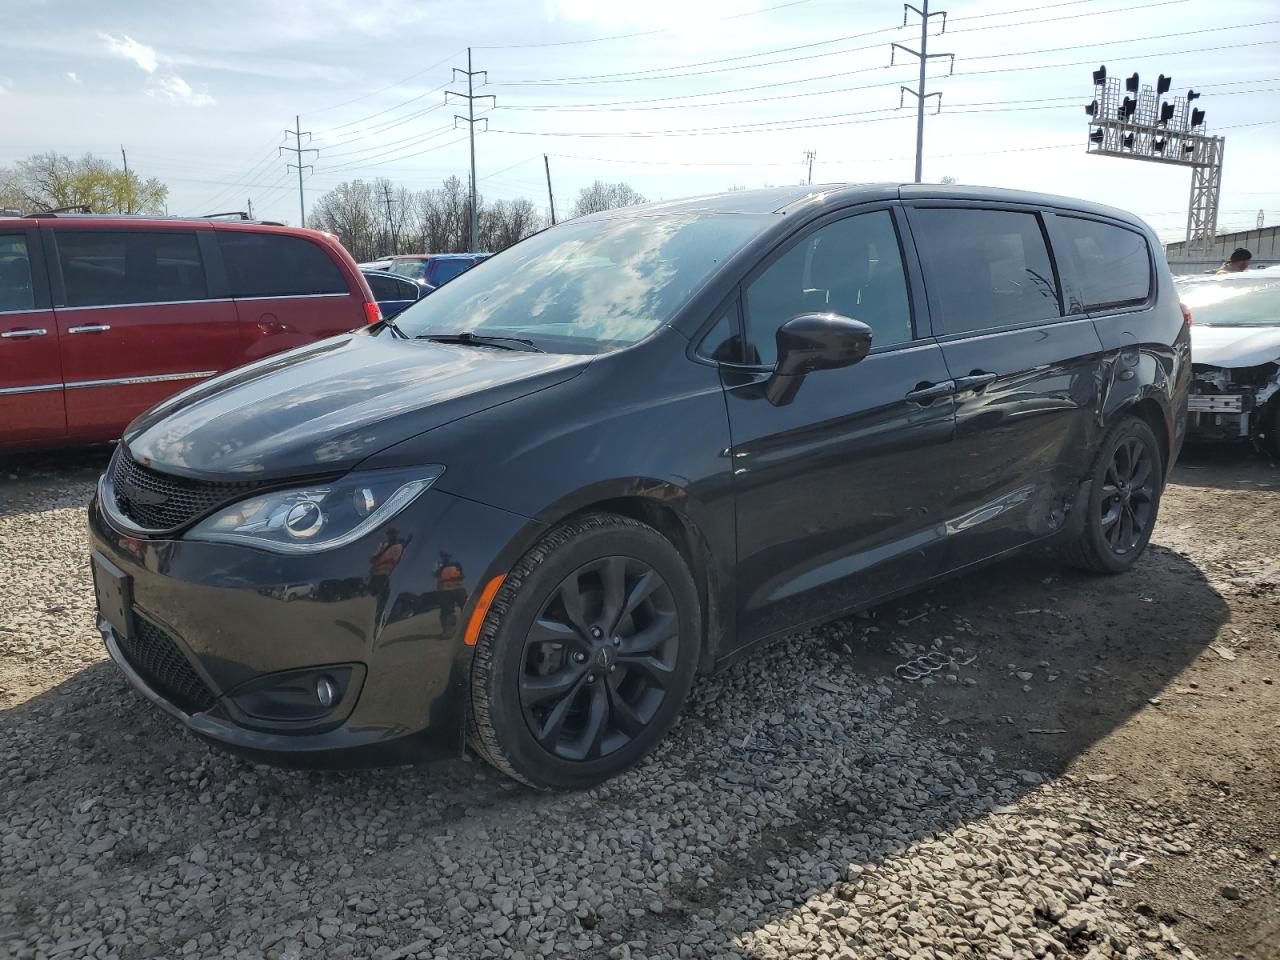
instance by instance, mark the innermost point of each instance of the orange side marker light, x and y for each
(482, 609)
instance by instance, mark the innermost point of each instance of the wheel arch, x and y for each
(1149, 410)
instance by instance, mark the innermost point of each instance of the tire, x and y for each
(1118, 495)
(1268, 436)
(560, 701)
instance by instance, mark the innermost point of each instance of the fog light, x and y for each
(326, 690)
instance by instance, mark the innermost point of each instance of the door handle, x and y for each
(929, 392)
(975, 381)
(15, 334)
(90, 328)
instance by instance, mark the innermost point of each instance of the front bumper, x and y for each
(210, 626)
(1219, 416)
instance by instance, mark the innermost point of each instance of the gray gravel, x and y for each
(805, 806)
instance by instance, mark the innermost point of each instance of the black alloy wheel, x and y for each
(1124, 499)
(586, 654)
(599, 658)
(1128, 504)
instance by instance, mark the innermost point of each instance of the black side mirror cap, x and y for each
(814, 341)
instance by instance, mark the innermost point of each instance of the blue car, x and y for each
(393, 292)
(434, 268)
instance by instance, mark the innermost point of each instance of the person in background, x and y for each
(1239, 261)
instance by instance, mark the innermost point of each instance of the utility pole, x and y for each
(128, 185)
(391, 227)
(298, 150)
(251, 208)
(551, 197)
(809, 155)
(470, 119)
(924, 57)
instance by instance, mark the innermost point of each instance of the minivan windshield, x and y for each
(586, 286)
(1249, 299)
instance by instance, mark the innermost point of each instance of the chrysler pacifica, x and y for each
(528, 511)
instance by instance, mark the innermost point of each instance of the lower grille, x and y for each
(161, 501)
(152, 652)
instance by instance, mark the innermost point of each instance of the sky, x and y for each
(675, 97)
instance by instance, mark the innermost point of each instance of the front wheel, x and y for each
(586, 654)
(1128, 478)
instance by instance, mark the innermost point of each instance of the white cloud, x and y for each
(71, 75)
(125, 46)
(176, 90)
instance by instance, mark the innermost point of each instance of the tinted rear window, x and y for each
(389, 288)
(107, 267)
(275, 265)
(1113, 265)
(16, 291)
(444, 270)
(984, 268)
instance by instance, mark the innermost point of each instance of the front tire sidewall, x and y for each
(540, 573)
(1108, 558)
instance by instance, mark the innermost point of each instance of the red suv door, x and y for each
(136, 320)
(31, 404)
(290, 287)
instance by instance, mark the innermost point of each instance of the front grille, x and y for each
(160, 501)
(157, 658)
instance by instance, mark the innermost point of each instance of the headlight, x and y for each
(321, 517)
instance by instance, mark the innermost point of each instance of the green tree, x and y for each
(46, 181)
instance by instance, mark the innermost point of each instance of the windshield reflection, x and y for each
(586, 286)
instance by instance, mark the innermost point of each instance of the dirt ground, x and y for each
(1150, 699)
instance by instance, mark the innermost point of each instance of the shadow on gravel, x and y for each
(786, 769)
(1226, 466)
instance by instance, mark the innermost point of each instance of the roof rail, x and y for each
(54, 211)
(238, 214)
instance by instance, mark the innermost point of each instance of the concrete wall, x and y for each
(1264, 244)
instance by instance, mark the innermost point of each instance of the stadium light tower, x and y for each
(1133, 120)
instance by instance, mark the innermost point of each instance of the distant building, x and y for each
(1263, 243)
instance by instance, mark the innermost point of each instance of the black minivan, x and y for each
(528, 511)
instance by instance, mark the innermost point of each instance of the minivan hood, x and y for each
(324, 407)
(1234, 347)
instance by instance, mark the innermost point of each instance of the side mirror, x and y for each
(814, 341)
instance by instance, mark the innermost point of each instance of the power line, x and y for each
(394, 83)
(298, 150)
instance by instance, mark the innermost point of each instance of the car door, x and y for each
(136, 321)
(31, 395)
(1027, 373)
(838, 492)
(288, 290)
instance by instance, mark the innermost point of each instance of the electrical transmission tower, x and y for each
(470, 119)
(809, 155)
(924, 56)
(391, 226)
(298, 150)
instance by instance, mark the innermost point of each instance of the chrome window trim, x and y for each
(37, 388)
(295, 296)
(129, 381)
(7, 313)
(143, 303)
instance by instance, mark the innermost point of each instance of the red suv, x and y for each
(103, 316)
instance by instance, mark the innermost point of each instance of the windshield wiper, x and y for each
(483, 340)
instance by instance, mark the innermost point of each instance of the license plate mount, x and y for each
(114, 589)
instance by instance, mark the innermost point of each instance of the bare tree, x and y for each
(605, 196)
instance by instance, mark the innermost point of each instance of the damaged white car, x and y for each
(1235, 353)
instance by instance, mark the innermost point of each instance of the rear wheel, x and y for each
(586, 654)
(1128, 478)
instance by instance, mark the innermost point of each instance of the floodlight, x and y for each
(1158, 145)
(1163, 84)
(1192, 95)
(1128, 140)
(1132, 84)
(1166, 112)
(1100, 75)
(1127, 108)
(1096, 136)
(1197, 117)
(1092, 109)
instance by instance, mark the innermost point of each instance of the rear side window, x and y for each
(984, 268)
(276, 265)
(851, 267)
(417, 269)
(102, 268)
(446, 270)
(16, 289)
(1113, 265)
(389, 288)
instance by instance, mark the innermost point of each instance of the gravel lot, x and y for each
(1100, 780)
